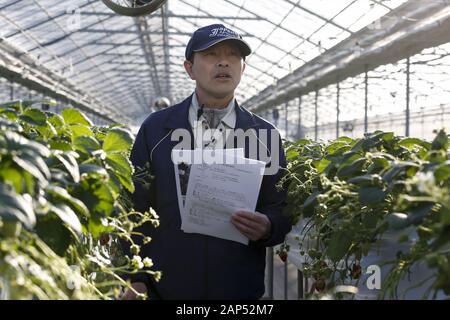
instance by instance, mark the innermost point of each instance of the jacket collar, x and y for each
(179, 116)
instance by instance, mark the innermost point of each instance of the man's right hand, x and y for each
(140, 287)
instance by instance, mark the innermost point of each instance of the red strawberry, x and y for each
(283, 256)
(319, 285)
(356, 271)
(104, 239)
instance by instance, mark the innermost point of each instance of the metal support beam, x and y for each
(316, 115)
(366, 99)
(133, 32)
(286, 122)
(299, 116)
(147, 47)
(165, 29)
(338, 111)
(423, 25)
(11, 90)
(170, 14)
(20, 68)
(408, 95)
(276, 25)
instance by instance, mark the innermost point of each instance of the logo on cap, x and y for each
(223, 32)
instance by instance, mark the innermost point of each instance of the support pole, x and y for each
(408, 92)
(11, 90)
(316, 116)
(299, 130)
(286, 122)
(366, 99)
(338, 96)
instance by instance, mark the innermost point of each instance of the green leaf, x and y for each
(118, 140)
(321, 165)
(92, 169)
(440, 142)
(419, 212)
(371, 195)
(34, 117)
(7, 125)
(17, 142)
(357, 145)
(312, 199)
(370, 221)
(68, 159)
(378, 164)
(96, 228)
(66, 214)
(52, 231)
(97, 196)
(336, 145)
(15, 207)
(9, 113)
(291, 154)
(338, 245)
(345, 139)
(353, 168)
(411, 143)
(390, 174)
(59, 193)
(122, 168)
(16, 105)
(364, 180)
(115, 184)
(47, 131)
(397, 220)
(80, 130)
(57, 121)
(86, 144)
(397, 169)
(442, 172)
(13, 177)
(386, 136)
(34, 165)
(74, 116)
(60, 145)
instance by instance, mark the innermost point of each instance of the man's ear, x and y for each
(188, 68)
(243, 67)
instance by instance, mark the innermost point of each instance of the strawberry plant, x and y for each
(351, 191)
(64, 206)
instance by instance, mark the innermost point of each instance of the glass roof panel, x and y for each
(105, 54)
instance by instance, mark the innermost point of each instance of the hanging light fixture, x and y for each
(134, 8)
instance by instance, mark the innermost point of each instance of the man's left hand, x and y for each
(254, 225)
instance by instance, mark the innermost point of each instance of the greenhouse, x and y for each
(226, 149)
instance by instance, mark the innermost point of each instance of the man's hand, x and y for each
(254, 225)
(140, 287)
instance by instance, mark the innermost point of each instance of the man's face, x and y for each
(217, 70)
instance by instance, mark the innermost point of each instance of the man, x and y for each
(197, 266)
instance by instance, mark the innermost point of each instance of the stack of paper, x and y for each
(211, 186)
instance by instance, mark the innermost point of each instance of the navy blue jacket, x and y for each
(196, 266)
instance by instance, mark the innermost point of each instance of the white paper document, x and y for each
(183, 159)
(216, 191)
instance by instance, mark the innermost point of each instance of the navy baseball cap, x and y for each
(208, 36)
